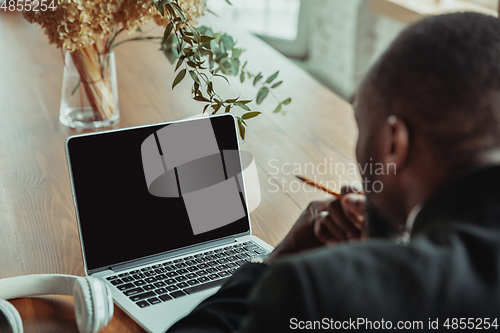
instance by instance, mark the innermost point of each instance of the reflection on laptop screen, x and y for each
(148, 190)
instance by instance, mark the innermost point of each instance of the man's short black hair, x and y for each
(442, 76)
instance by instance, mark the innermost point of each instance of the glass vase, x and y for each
(89, 98)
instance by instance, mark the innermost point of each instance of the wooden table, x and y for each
(38, 229)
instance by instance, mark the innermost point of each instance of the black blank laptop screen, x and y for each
(120, 219)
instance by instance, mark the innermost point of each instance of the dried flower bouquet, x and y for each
(88, 30)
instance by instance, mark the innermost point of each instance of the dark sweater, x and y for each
(450, 269)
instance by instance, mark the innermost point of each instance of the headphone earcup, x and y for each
(93, 304)
(12, 316)
(111, 304)
(84, 309)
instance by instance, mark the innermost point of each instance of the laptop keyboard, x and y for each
(162, 282)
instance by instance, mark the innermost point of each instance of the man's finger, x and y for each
(350, 189)
(315, 208)
(326, 230)
(320, 232)
(338, 218)
(354, 207)
(337, 232)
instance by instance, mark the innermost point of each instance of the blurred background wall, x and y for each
(334, 40)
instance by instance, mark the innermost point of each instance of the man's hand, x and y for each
(325, 222)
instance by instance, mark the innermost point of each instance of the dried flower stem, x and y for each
(95, 76)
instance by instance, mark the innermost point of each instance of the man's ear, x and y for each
(397, 144)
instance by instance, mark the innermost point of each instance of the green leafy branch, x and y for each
(227, 59)
(205, 55)
(266, 88)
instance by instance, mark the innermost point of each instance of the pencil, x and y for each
(321, 187)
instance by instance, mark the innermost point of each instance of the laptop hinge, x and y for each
(171, 254)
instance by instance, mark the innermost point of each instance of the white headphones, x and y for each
(93, 300)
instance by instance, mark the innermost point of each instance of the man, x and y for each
(430, 106)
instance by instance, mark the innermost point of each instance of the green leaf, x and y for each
(243, 106)
(225, 66)
(212, 12)
(194, 77)
(204, 30)
(162, 2)
(287, 101)
(210, 88)
(249, 115)
(257, 78)
(204, 51)
(236, 53)
(179, 63)
(278, 108)
(179, 78)
(229, 2)
(211, 55)
(235, 66)
(204, 75)
(196, 33)
(246, 101)
(242, 77)
(220, 56)
(216, 107)
(201, 99)
(205, 108)
(222, 76)
(277, 84)
(272, 77)
(179, 10)
(171, 54)
(167, 32)
(241, 129)
(180, 47)
(188, 51)
(227, 41)
(205, 39)
(138, 29)
(76, 88)
(228, 108)
(262, 94)
(231, 100)
(188, 39)
(172, 13)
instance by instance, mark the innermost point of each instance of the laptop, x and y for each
(162, 213)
